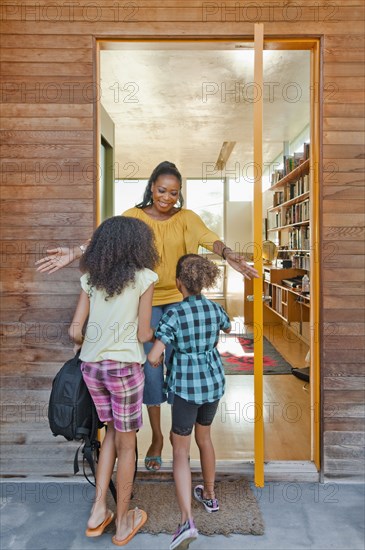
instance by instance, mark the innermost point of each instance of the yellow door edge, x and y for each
(258, 286)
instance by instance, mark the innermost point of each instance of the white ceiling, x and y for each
(174, 104)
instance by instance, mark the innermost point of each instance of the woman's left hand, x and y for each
(235, 260)
(156, 363)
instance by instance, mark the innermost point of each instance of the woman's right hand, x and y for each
(56, 259)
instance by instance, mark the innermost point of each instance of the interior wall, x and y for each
(107, 127)
(238, 235)
(48, 196)
(106, 183)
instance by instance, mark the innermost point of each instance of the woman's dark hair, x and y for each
(196, 273)
(165, 168)
(119, 248)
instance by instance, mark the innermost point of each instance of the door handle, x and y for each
(264, 298)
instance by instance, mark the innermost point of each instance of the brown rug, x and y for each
(238, 513)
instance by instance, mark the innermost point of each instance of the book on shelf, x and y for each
(278, 306)
(306, 150)
(301, 260)
(290, 162)
(278, 198)
(296, 188)
(291, 190)
(306, 183)
(297, 213)
(276, 176)
(299, 238)
(274, 220)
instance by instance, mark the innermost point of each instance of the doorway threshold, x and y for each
(275, 470)
(294, 471)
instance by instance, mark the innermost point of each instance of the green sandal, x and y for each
(157, 459)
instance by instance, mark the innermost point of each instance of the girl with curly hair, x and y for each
(116, 296)
(177, 231)
(195, 377)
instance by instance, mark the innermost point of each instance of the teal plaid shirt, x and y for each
(195, 371)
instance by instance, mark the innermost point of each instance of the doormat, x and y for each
(237, 354)
(239, 511)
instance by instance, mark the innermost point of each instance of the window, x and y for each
(218, 288)
(206, 198)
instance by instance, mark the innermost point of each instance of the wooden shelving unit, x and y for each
(302, 169)
(289, 227)
(285, 302)
(288, 217)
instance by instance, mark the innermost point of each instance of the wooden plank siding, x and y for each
(343, 262)
(48, 194)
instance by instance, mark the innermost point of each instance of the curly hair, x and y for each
(119, 248)
(196, 272)
(162, 169)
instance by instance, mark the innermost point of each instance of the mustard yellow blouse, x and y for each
(181, 234)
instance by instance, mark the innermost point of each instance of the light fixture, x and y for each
(224, 154)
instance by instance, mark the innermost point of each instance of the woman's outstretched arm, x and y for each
(235, 260)
(59, 257)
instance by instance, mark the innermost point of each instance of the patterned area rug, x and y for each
(237, 354)
(239, 511)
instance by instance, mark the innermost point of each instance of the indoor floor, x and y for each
(286, 413)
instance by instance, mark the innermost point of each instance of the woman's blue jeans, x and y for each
(154, 377)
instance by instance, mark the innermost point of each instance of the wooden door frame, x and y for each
(314, 45)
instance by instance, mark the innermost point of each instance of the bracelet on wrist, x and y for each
(223, 253)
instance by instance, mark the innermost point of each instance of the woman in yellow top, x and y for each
(177, 232)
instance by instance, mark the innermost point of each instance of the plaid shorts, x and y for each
(117, 391)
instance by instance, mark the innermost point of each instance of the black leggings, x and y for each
(186, 414)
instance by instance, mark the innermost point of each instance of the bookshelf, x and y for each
(288, 226)
(287, 303)
(289, 216)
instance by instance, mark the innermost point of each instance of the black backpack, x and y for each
(72, 413)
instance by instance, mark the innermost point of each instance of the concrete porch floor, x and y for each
(51, 515)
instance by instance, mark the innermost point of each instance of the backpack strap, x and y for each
(88, 448)
(88, 451)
